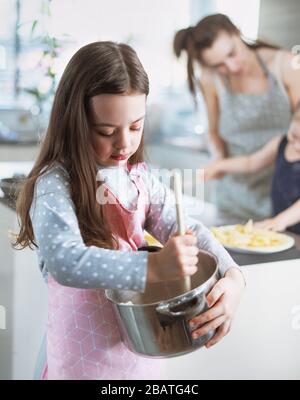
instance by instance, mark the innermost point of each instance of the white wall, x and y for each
(243, 13)
(280, 22)
(149, 26)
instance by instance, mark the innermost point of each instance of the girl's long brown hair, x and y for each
(97, 68)
(197, 38)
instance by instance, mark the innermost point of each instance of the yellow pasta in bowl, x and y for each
(248, 239)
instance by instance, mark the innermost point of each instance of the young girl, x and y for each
(85, 245)
(286, 179)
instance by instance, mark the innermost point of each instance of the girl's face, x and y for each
(227, 55)
(117, 123)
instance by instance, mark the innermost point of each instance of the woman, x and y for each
(251, 91)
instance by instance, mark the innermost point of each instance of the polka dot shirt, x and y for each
(62, 252)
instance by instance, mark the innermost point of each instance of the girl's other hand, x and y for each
(223, 301)
(177, 259)
(213, 171)
(273, 224)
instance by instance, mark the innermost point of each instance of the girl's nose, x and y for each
(123, 139)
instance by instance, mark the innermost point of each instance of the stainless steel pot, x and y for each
(155, 323)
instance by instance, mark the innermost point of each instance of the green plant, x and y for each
(50, 48)
(46, 87)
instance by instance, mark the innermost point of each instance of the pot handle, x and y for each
(200, 305)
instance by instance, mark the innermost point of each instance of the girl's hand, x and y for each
(222, 301)
(273, 224)
(174, 261)
(213, 171)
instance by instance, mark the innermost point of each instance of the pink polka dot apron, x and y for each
(83, 341)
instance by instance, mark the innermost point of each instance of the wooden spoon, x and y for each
(180, 218)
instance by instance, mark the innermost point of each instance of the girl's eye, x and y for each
(107, 134)
(135, 128)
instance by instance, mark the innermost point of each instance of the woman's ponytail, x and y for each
(184, 41)
(181, 40)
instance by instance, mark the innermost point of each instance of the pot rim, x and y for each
(180, 298)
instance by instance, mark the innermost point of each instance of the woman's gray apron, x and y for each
(247, 122)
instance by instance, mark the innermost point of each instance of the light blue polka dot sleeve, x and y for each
(61, 250)
(161, 223)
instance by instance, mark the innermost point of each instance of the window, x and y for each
(148, 26)
(245, 14)
(7, 50)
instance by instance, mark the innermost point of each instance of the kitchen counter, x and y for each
(8, 170)
(264, 341)
(210, 216)
(253, 259)
(18, 142)
(18, 151)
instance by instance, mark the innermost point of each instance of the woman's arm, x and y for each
(210, 96)
(289, 217)
(244, 164)
(291, 80)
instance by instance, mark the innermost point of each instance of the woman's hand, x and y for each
(177, 259)
(277, 224)
(223, 301)
(213, 171)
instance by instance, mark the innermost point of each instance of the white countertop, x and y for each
(9, 168)
(264, 342)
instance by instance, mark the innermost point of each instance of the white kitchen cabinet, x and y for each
(264, 342)
(18, 152)
(279, 22)
(23, 293)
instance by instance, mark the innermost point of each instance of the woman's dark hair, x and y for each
(195, 39)
(97, 68)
